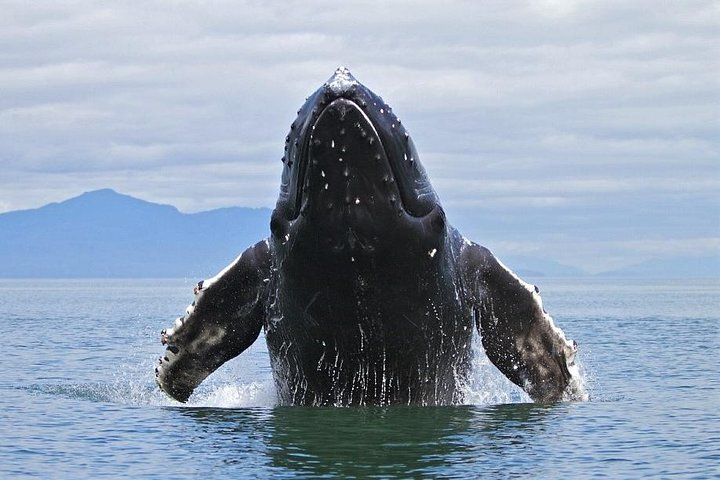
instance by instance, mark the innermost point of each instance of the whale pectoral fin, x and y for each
(519, 337)
(223, 321)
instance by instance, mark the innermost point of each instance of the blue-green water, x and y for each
(77, 396)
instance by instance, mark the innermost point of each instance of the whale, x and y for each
(365, 293)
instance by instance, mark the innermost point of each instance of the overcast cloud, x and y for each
(584, 131)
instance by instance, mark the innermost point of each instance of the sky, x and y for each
(581, 131)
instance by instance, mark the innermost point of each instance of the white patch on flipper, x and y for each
(538, 302)
(199, 292)
(576, 388)
(210, 281)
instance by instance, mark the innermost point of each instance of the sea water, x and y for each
(77, 396)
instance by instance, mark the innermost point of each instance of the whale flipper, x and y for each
(519, 337)
(223, 321)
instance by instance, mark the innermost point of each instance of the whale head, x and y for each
(351, 172)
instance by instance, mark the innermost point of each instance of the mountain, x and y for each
(705, 266)
(106, 234)
(540, 267)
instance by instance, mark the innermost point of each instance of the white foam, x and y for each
(231, 395)
(486, 385)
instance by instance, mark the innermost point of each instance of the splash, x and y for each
(230, 395)
(134, 385)
(485, 384)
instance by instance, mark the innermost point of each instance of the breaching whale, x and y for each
(366, 294)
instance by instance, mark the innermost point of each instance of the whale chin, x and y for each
(352, 136)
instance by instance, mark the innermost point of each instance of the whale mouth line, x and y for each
(387, 136)
(363, 127)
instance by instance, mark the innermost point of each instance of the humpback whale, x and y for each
(365, 293)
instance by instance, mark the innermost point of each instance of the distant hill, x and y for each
(706, 266)
(106, 234)
(540, 267)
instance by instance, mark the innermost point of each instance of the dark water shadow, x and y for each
(376, 442)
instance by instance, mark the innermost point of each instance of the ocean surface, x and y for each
(78, 400)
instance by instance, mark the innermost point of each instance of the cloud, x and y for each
(574, 108)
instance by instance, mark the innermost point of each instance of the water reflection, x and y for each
(385, 442)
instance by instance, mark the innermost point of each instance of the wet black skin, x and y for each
(366, 294)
